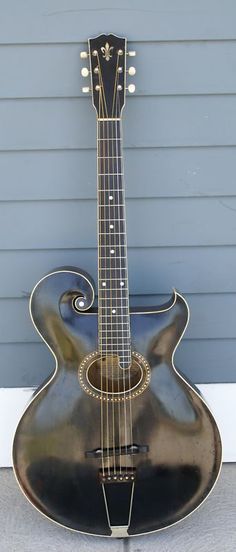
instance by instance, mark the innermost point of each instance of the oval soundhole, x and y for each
(103, 378)
(105, 374)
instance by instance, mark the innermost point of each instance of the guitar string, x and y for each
(101, 90)
(111, 301)
(105, 146)
(99, 283)
(109, 347)
(128, 338)
(122, 308)
(114, 169)
(113, 333)
(127, 293)
(117, 234)
(102, 105)
(105, 307)
(118, 333)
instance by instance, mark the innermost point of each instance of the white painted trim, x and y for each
(221, 398)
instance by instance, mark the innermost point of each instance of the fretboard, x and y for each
(113, 292)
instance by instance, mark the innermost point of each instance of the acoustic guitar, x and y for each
(116, 442)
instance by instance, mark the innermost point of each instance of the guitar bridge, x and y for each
(117, 451)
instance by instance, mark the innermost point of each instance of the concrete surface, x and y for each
(212, 528)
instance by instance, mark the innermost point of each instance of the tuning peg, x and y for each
(84, 72)
(85, 89)
(131, 71)
(131, 53)
(131, 88)
(83, 55)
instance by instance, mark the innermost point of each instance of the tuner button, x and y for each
(131, 88)
(132, 71)
(83, 55)
(131, 53)
(84, 72)
(85, 89)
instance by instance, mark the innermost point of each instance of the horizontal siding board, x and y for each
(198, 221)
(162, 68)
(206, 361)
(28, 363)
(63, 20)
(71, 174)
(202, 361)
(150, 122)
(151, 270)
(212, 317)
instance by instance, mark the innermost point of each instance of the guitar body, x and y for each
(176, 457)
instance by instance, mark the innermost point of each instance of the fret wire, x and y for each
(105, 139)
(125, 278)
(105, 288)
(112, 318)
(111, 344)
(114, 257)
(105, 245)
(111, 350)
(115, 338)
(116, 323)
(124, 307)
(110, 337)
(116, 331)
(123, 302)
(122, 313)
(115, 350)
(118, 348)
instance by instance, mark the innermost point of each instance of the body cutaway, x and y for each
(174, 458)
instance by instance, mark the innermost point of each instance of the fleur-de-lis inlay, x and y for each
(106, 50)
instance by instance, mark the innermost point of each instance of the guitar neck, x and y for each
(113, 289)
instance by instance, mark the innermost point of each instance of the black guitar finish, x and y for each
(62, 423)
(116, 442)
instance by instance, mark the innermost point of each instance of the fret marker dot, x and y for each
(122, 284)
(111, 198)
(111, 226)
(104, 284)
(113, 311)
(112, 251)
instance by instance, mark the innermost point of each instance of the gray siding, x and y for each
(211, 528)
(180, 161)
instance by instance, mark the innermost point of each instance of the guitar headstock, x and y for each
(107, 68)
